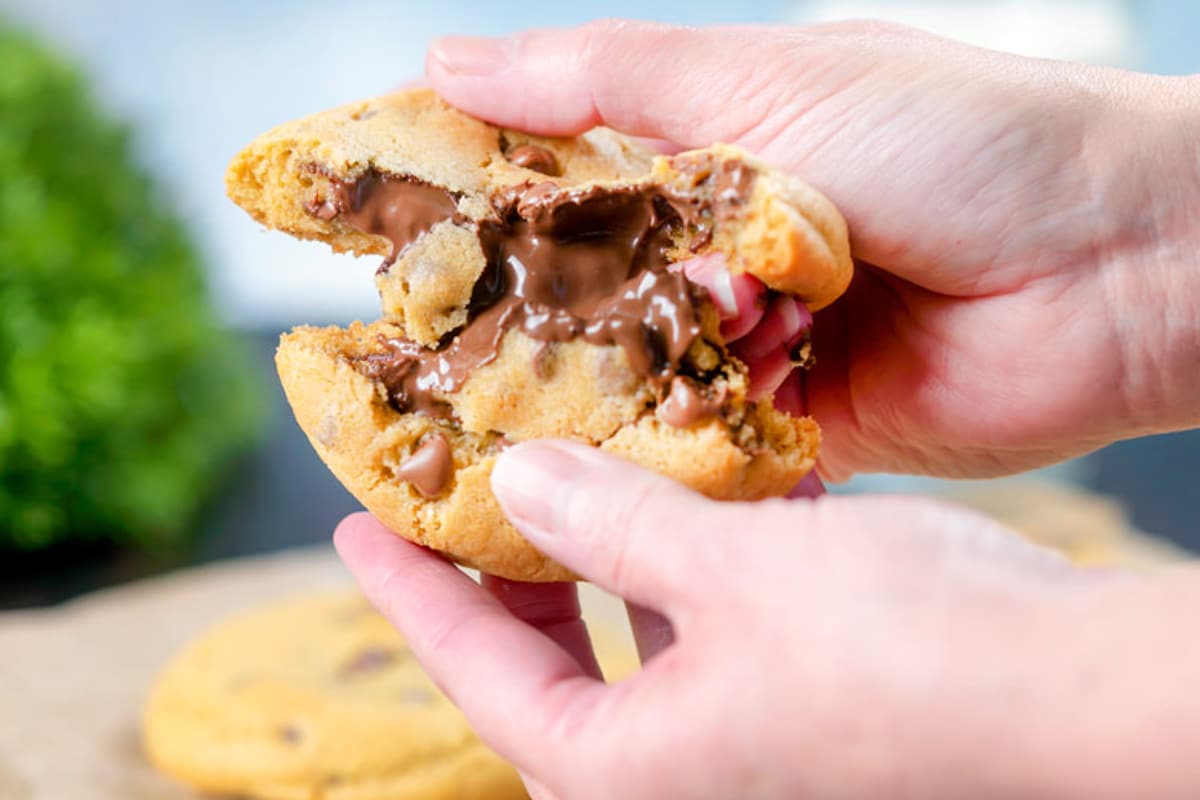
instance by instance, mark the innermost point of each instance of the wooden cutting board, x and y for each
(73, 678)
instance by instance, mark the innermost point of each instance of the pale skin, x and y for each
(1028, 290)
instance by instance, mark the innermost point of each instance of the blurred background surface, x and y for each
(196, 81)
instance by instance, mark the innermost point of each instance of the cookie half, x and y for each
(529, 291)
(335, 177)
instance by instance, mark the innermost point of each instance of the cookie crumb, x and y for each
(327, 431)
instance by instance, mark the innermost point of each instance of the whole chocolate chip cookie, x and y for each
(318, 696)
(529, 290)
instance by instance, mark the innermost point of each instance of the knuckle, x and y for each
(570, 728)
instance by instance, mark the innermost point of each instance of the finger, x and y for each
(740, 299)
(767, 372)
(644, 79)
(792, 395)
(552, 609)
(537, 790)
(845, 447)
(785, 324)
(762, 329)
(769, 351)
(461, 634)
(652, 632)
(633, 532)
(660, 146)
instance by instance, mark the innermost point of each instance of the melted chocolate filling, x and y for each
(561, 264)
(398, 209)
(689, 403)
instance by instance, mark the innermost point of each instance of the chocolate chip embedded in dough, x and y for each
(543, 361)
(290, 733)
(534, 157)
(689, 403)
(430, 468)
(368, 660)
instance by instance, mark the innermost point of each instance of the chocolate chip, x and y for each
(689, 402)
(430, 468)
(290, 733)
(371, 659)
(534, 157)
(543, 364)
(322, 209)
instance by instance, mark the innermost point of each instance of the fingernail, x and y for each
(530, 480)
(472, 55)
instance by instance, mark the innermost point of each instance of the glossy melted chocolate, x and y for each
(561, 264)
(398, 209)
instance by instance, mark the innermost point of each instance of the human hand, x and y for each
(1028, 287)
(866, 647)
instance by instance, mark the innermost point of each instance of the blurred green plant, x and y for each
(122, 399)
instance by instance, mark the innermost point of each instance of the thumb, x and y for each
(633, 532)
(692, 86)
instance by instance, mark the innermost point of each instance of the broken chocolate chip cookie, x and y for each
(531, 288)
